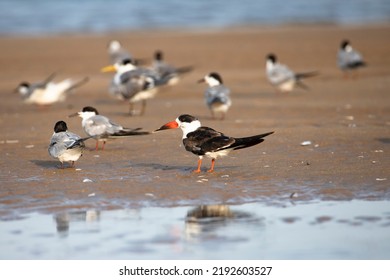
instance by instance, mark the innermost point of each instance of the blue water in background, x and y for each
(49, 17)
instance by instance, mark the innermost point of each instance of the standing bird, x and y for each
(168, 74)
(205, 141)
(132, 83)
(47, 92)
(116, 52)
(102, 128)
(217, 95)
(349, 59)
(282, 77)
(65, 145)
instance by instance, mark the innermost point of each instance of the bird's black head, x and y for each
(24, 84)
(127, 61)
(187, 118)
(158, 55)
(344, 44)
(272, 57)
(60, 126)
(90, 109)
(216, 76)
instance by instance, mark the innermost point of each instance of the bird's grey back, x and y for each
(62, 141)
(349, 59)
(280, 73)
(218, 92)
(100, 126)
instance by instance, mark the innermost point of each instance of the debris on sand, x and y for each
(306, 143)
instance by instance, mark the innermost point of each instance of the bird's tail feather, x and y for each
(302, 85)
(129, 132)
(249, 141)
(184, 69)
(79, 142)
(78, 84)
(306, 75)
(358, 64)
(49, 79)
(85, 138)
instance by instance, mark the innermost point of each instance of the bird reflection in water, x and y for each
(63, 220)
(205, 219)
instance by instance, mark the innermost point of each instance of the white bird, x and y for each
(282, 77)
(205, 141)
(349, 59)
(102, 128)
(217, 95)
(47, 92)
(65, 145)
(132, 83)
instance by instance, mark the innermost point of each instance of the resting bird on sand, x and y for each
(282, 77)
(205, 141)
(65, 145)
(48, 92)
(349, 59)
(168, 74)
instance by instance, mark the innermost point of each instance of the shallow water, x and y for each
(311, 230)
(50, 17)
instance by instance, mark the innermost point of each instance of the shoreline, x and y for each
(200, 30)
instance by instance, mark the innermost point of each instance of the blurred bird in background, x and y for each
(48, 92)
(282, 77)
(348, 59)
(217, 95)
(168, 74)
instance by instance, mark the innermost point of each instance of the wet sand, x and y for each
(347, 122)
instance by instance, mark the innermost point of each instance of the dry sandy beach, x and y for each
(347, 121)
